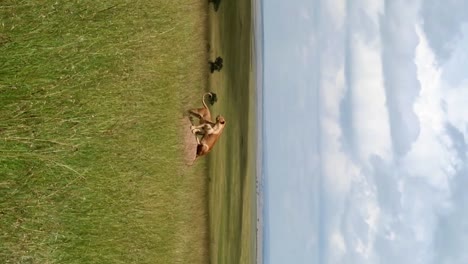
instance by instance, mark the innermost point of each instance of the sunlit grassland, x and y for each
(232, 164)
(91, 167)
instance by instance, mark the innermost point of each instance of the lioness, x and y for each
(203, 114)
(210, 134)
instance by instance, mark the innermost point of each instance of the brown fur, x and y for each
(211, 134)
(203, 113)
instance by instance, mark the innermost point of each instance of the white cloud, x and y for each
(336, 11)
(443, 21)
(430, 156)
(399, 41)
(337, 167)
(456, 83)
(455, 65)
(394, 194)
(446, 160)
(373, 9)
(352, 208)
(425, 172)
(370, 116)
(337, 242)
(388, 207)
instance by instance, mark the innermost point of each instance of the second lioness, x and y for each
(203, 113)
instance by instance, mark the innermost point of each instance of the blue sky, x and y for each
(365, 127)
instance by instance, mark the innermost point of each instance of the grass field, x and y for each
(91, 166)
(232, 168)
(91, 94)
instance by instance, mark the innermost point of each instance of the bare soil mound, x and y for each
(190, 143)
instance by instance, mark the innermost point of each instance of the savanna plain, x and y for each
(92, 125)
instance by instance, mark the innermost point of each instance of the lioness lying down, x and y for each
(210, 134)
(208, 130)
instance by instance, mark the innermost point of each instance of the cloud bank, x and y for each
(373, 102)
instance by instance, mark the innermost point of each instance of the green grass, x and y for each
(91, 166)
(232, 164)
